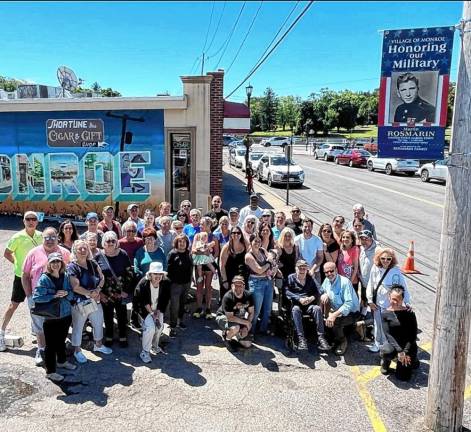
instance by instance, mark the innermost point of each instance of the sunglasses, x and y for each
(386, 259)
(329, 271)
(178, 228)
(250, 223)
(327, 231)
(186, 205)
(131, 231)
(236, 233)
(295, 211)
(31, 219)
(50, 238)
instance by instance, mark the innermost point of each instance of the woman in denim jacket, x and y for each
(55, 284)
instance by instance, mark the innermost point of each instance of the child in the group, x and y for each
(201, 245)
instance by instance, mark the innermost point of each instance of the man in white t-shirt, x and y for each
(311, 249)
(251, 209)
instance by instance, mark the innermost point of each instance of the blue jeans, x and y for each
(262, 293)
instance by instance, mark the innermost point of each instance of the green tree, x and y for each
(96, 87)
(255, 114)
(8, 84)
(109, 92)
(288, 113)
(268, 110)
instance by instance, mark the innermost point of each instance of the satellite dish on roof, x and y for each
(67, 79)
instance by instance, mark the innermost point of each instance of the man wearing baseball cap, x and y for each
(251, 209)
(234, 218)
(109, 223)
(17, 248)
(92, 223)
(235, 315)
(133, 212)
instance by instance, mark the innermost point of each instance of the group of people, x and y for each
(340, 278)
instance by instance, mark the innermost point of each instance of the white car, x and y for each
(437, 170)
(237, 156)
(273, 168)
(391, 166)
(276, 141)
(328, 151)
(254, 158)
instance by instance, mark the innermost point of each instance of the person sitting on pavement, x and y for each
(236, 313)
(400, 329)
(92, 224)
(311, 249)
(296, 222)
(67, 234)
(15, 252)
(339, 304)
(251, 209)
(54, 285)
(384, 274)
(359, 213)
(151, 298)
(133, 212)
(338, 223)
(304, 294)
(280, 224)
(109, 223)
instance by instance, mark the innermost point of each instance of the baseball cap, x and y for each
(239, 279)
(253, 197)
(30, 213)
(55, 256)
(234, 210)
(131, 206)
(106, 208)
(266, 213)
(366, 233)
(91, 215)
(294, 208)
(301, 263)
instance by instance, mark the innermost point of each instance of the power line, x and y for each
(209, 26)
(254, 69)
(217, 27)
(245, 38)
(230, 35)
(194, 64)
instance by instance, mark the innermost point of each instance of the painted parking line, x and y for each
(368, 401)
(350, 179)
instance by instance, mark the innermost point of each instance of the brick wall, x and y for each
(216, 121)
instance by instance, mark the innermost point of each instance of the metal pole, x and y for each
(290, 148)
(446, 385)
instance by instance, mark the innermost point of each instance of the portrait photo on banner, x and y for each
(413, 97)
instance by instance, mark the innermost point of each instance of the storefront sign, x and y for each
(75, 133)
(413, 95)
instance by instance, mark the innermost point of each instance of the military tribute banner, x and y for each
(413, 95)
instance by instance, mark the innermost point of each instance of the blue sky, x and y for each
(142, 48)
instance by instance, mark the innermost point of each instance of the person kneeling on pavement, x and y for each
(340, 305)
(303, 292)
(400, 329)
(235, 315)
(151, 298)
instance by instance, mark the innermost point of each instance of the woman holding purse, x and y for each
(54, 287)
(117, 289)
(86, 280)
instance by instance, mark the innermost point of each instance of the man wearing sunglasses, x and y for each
(17, 248)
(34, 265)
(340, 305)
(295, 223)
(251, 209)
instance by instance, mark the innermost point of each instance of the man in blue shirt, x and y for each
(194, 226)
(340, 305)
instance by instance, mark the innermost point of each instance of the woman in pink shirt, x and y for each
(348, 258)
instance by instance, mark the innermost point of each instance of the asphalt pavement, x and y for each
(200, 385)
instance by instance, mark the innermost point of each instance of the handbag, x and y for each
(87, 307)
(118, 282)
(51, 309)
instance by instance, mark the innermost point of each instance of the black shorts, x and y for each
(18, 293)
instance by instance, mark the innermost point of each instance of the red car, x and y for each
(353, 157)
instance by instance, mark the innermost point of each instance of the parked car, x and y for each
(391, 166)
(437, 170)
(353, 157)
(237, 156)
(227, 139)
(254, 158)
(273, 168)
(371, 147)
(276, 141)
(328, 151)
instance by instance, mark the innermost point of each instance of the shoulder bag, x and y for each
(375, 291)
(119, 284)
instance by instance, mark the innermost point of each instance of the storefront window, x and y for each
(181, 168)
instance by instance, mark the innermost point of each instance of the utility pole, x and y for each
(202, 66)
(445, 396)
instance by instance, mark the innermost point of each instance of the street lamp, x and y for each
(248, 91)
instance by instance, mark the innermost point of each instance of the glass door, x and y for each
(180, 159)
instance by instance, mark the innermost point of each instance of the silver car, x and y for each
(328, 151)
(437, 170)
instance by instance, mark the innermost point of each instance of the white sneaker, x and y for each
(157, 350)
(373, 348)
(38, 359)
(145, 357)
(55, 377)
(103, 349)
(80, 357)
(67, 365)
(3, 346)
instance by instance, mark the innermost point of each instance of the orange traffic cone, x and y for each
(409, 264)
